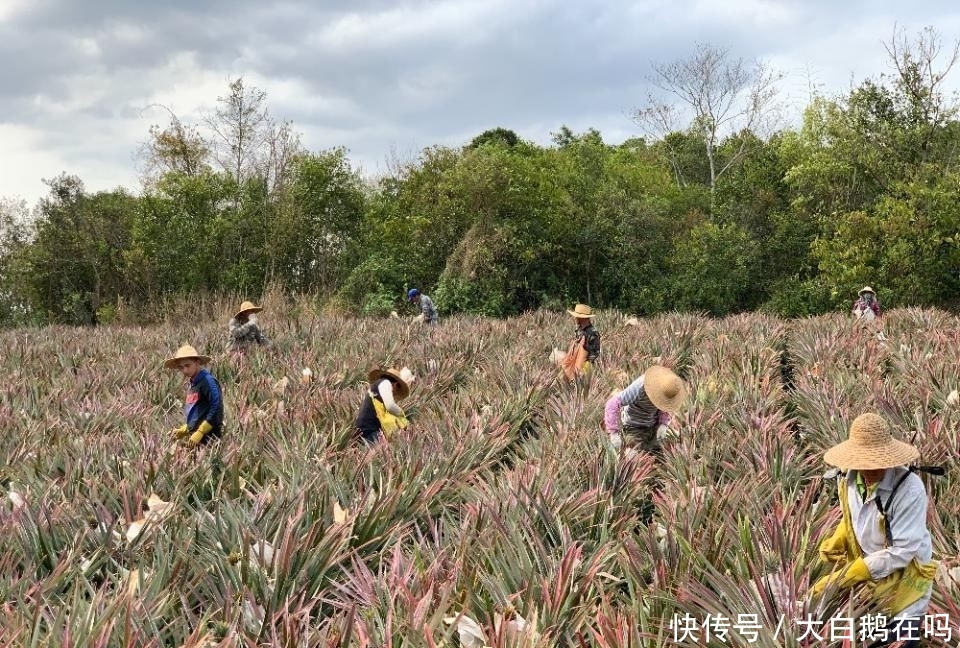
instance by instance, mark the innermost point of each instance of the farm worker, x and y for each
(866, 306)
(380, 415)
(639, 416)
(244, 328)
(427, 309)
(203, 408)
(882, 541)
(585, 347)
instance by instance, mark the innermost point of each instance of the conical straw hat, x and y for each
(185, 352)
(871, 446)
(582, 310)
(401, 378)
(248, 307)
(664, 388)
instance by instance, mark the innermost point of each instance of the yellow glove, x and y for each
(197, 436)
(834, 548)
(586, 367)
(180, 432)
(856, 572)
(402, 422)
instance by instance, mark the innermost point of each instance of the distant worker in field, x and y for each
(427, 309)
(639, 416)
(380, 415)
(245, 329)
(584, 350)
(866, 307)
(203, 408)
(882, 543)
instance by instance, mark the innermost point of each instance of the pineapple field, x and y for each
(500, 517)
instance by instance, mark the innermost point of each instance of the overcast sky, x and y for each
(378, 77)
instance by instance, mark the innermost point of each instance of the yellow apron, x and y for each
(894, 592)
(389, 423)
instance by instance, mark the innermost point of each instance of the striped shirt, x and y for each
(632, 409)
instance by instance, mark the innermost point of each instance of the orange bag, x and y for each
(576, 357)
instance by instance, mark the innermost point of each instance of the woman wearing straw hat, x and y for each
(244, 328)
(203, 408)
(585, 347)
(867, 306)
(639, 416)
(380, 415)
(882, 540)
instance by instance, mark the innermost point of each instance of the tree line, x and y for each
(714, 209)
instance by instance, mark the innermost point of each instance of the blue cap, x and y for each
(413, 292)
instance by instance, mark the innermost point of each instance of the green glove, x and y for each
(856, 572)
(180, 432)
(198, 435)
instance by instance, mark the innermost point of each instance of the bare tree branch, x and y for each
(725, 95)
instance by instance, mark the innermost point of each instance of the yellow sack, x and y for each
(892, 593)
(389, 423)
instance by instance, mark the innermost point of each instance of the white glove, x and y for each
(616, 441)
(662, 432)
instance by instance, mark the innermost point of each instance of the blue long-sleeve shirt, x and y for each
(204, 402)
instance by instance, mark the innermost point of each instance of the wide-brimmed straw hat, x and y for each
(664, 388)
(581, 310)
(401, 378)
(866, 289)
(186, 352)
(248, 307)
(871, 446)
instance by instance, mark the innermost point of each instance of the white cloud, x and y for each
(375, 76)
(10, 9)
(23, 157)
(458, 21)
(126, 33)
(759, 14)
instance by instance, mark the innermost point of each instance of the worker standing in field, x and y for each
(380, 415)
(203, 408)
(584, 350)
(427, 309)
(867, 307)
(245, 329)
(882, 541)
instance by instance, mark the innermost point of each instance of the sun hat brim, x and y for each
(252, 309)
(579, 315)
(854, 455)
(402, 388)
(655, 381)
(171, 363)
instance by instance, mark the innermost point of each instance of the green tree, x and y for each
(498, 135)
(314, 237)
(76, 258)
(178, 148)
(907, 246)
(713, 269)
(14, 281)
